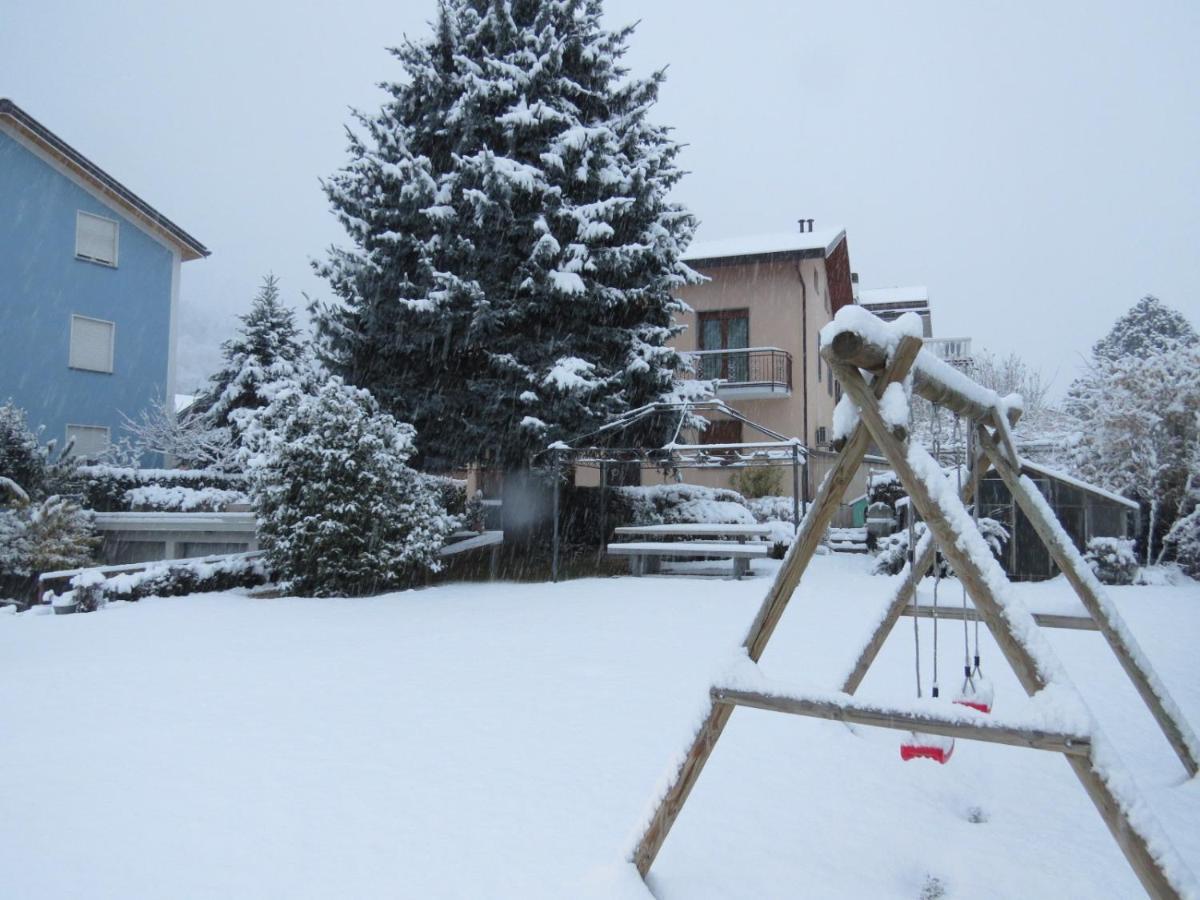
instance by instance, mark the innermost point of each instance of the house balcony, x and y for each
(952, 350)
(752, 373)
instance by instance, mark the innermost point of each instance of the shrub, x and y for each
(1112, 560)
(339, 511)
(664, 504)
(114, 488)
(90, 589)
(755, 482)
(154, 497)
(893, 548)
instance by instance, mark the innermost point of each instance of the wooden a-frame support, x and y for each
(941, 511)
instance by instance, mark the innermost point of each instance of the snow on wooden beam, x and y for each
(1046, 620)
(961, 723)
(935, 380)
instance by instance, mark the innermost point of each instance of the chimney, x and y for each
(806, 225)
(810, 224)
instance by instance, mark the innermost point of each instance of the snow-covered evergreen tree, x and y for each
(339, 511)
(266, 349)
(514, 251)
(1149, 327)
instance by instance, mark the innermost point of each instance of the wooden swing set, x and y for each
(852, 352)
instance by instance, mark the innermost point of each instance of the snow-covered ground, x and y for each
(504, 740)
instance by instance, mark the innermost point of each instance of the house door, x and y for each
(725, 329)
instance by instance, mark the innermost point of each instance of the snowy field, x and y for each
(505, 740)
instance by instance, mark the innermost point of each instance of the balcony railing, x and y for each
(952, 350)
(749, 372)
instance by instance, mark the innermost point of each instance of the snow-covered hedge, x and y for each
(664, 504)
(1112, 559)
(91, 590)
(156, 498)
(107, 488)
(893, 549)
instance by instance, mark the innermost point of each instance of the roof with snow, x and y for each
(913, 294)
(1059, 475)
(818, 243)
(112, 191)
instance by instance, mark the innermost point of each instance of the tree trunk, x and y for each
(1150, 530)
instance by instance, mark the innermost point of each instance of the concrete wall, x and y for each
(42, 284)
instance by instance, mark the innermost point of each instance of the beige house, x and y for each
(754, 328)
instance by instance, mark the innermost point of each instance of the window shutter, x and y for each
(90, 441)
(96, 238)
(91, 344)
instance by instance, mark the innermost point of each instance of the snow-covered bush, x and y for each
(893, 548)
(1112, 560)
(339, 511)
(178, 498)
(114, 488)
(772, 509)
(90, 589)
(885, 487)
(664, 504)
(1184, 542)
(40, 530)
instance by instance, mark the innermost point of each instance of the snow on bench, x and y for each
(702, 529)
(645, 556)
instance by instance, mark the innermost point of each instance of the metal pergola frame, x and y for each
(775, 450)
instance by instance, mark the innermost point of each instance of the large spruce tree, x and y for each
(514, 251)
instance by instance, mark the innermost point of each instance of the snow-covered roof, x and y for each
(911, 294)
(1059, 475)
(820, 240)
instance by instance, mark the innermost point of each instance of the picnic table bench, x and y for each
(646, 556)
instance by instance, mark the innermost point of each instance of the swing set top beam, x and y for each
(933, 378)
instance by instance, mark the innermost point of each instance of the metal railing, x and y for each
(764, 367)
(950, 349)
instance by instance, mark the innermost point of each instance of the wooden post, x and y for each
(812, 530)
(603, 510)
(554, 551)
(937, 512)
(1153, 693)
(795, 488)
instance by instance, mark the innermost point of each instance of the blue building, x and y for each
(89, 289)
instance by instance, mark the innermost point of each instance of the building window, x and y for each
(725, 329)
(96, 238)
(88, 442)
(92, 344)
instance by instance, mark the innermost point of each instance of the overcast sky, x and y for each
(1035, 164)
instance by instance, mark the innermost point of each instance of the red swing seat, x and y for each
(927, 746)
(977, 693)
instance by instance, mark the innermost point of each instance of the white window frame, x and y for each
(107, 434)
(112, 344)
(79, 213)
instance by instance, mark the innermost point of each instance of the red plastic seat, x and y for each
(927, 746)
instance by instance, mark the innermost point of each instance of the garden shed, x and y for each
(1085, 511)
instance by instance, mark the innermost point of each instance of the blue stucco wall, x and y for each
(42, 284)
